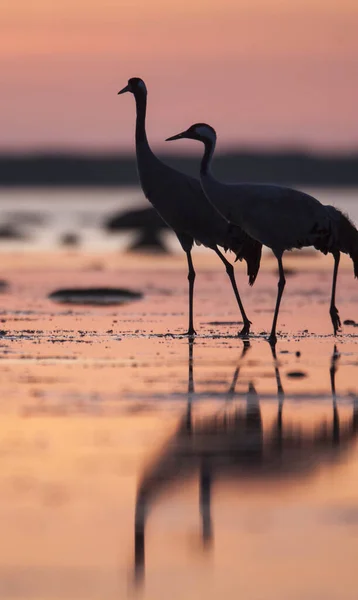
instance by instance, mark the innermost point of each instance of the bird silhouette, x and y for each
(181, 203)
(279, 217)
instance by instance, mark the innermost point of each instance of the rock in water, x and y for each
(95, 296)
(296, 374)
(146, 222)
(9, 231)
(70, 239)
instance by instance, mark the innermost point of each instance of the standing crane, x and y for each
(182, 204)
(278, 217)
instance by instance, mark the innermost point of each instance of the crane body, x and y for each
(279, 217)
(182, 204)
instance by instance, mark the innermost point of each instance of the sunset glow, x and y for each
(262, 72)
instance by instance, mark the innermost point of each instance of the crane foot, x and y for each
(191, 333)
(245, 330)
(272, 340)
(335, 318)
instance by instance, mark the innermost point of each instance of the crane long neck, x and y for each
(205, 167)
(141, 104)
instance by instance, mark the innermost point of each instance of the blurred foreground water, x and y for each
(46, 216)
(181, 471)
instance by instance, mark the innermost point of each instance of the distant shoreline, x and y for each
(59, 170)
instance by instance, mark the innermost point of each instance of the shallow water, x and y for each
(45, 215)
(135, 463)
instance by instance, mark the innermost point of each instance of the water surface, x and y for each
(132, 462)
(135, 463)
(46, 215)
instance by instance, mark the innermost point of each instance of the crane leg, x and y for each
(280, 398)
(205, 483)
(191, 390)
(281, 286)
(333, 311)
(139, 541)
(191, 279)
(332, 372)
(230, 271)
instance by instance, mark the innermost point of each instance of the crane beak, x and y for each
(176, 137)
(125, 89)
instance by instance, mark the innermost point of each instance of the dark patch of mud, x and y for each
(224, 323)
(296, 374)
(70, 239)
(141, 218)
(8, 231)
(148, 225)
(95, 296)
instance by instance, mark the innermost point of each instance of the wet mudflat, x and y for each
(135, 463)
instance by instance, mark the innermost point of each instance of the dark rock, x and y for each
(142, 218)
(149, 240)
(95, 296)
(146, 221)
(69, 239)
(8, 231)
(296, 374)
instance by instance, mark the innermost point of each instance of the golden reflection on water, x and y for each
(135, 463)
(233, 444)
(214, 488)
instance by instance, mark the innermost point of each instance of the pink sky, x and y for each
(260, 71)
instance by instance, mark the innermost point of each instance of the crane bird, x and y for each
(182, 204)
(278, 217)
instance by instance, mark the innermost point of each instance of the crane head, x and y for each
(199, 131)
(135, 84)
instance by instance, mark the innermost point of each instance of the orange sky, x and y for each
(260, 71)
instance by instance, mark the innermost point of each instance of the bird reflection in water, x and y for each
(231, 444)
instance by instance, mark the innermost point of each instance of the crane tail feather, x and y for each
(245, 248)
(347, 237)
(251, 252)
